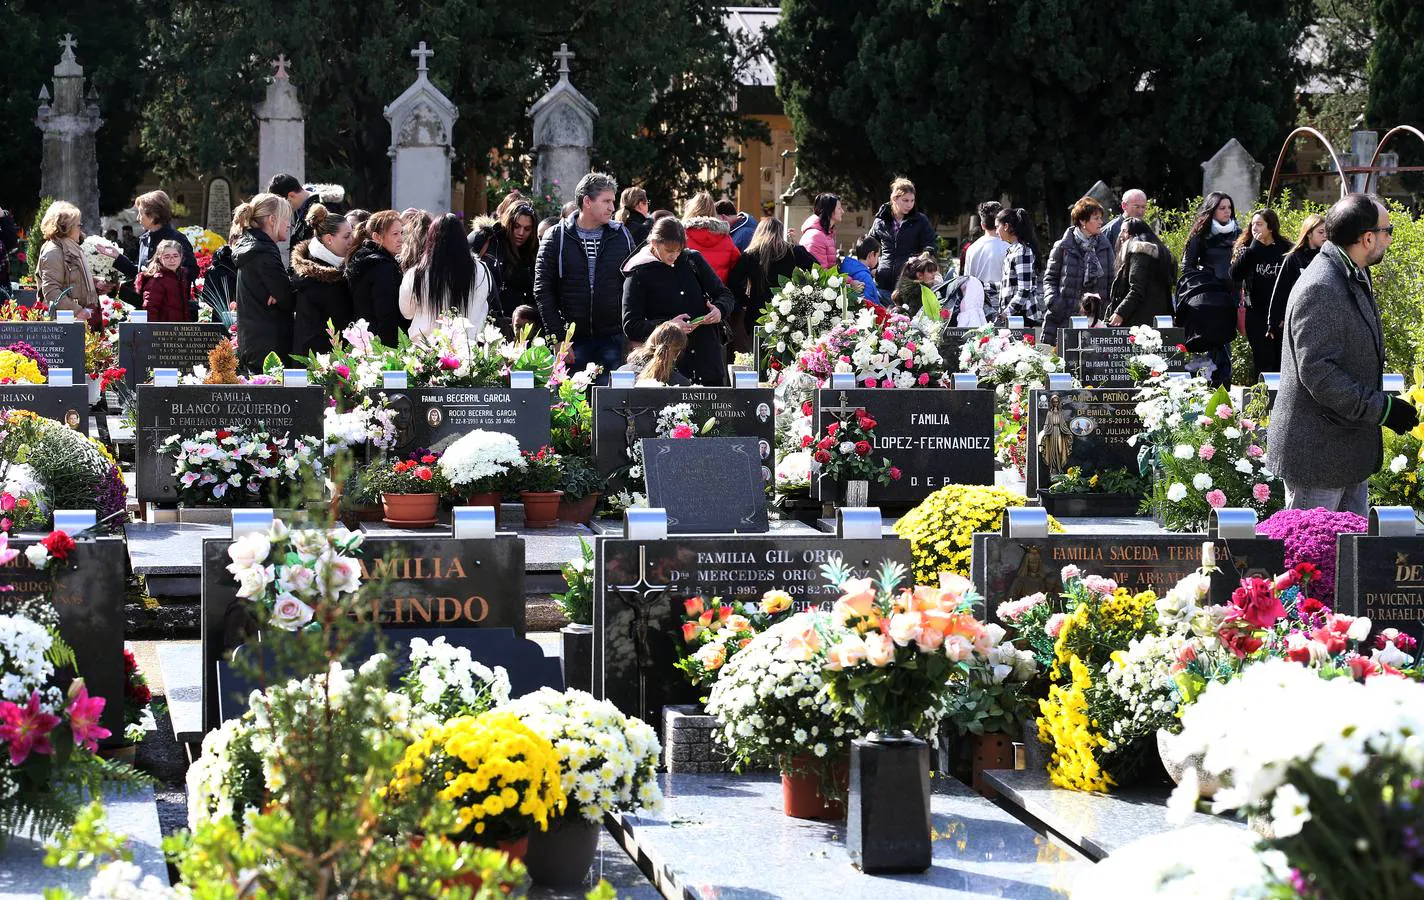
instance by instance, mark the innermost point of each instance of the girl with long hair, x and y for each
(709, 234)
(656, 361)
(1208, 309)
(1256, 262)
(375, 275)
(264, 293)
(1143, 280)
(447, 277)
(1307, 247)
(321, 294)
(818, 232)
(769, 258)
(1018, 288)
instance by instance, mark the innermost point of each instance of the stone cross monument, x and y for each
(422, 121)
(281, 128)
(1235, 172)
(70, 167)
(563, 133)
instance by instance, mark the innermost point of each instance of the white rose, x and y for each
(37, 554)
(834, 281)
(829, 295)
(1201, 481)
(1177, 492)
(807, 290)
(1243, 466)
(250, 549)
(1183, 451)
(289, 613)
(1397, 464)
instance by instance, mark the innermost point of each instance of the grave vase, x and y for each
(888, 823)
(815, 789)
(562, 856)
(856, 493)
(1207, 785)
(541, 508)
(410, 509)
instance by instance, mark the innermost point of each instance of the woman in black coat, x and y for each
(1146, 272)
(1255, 265)
(1210, 317)
(375, 276)
(319, 287)
(756, 276)
(510, 254)
(1307, 247)
(903, 233)
(666, 282)
(264, 295)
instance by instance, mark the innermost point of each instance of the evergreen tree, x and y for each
(1396, 66)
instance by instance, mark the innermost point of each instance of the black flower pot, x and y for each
(888, 818)
(578, 657)
(1089, 505)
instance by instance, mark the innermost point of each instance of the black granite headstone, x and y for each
(425, 416)
(69, 405)
(709, 485)
(191, 409)
(88, 593)
(1098, 356)
(1383, 578)
(622, 416)
(1100, 421)
(60, 343)
(639, 587)
(934, 436)
(1011, 568)
(951, 343)
(436, 582)
(145, 346)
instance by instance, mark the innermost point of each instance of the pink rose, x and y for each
(924, 379)
(1097, 584)
(1216, 498)
(879, 650)
(1206, 452)
(1261, 492)
(1071, 571)
(1248, 424)
(1223, 411)
(1255, 452)
(1054, 624)
(958, 648)
(870, 383)
(847, 654)
(682, 431)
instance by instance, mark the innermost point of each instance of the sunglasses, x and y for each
(1388, 229)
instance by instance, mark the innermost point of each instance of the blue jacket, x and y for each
(742, 231)
(855, 269)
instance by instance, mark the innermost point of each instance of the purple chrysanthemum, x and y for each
(1310, 536)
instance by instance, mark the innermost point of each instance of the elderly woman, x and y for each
(666, 282)
(1079, 265)
(65, 281)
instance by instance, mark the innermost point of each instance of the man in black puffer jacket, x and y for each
(902, 232)
(578, 277)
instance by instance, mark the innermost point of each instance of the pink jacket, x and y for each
(820, 245)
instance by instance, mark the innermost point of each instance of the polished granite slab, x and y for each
(133, 814)
(722, 837)
(181, 663)
(1095, 824)
(169, 548)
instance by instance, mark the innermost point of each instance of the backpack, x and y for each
(951, 294)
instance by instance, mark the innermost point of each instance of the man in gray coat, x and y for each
(1325, 440)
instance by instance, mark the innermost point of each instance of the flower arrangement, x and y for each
(542, 471)
(99, 355)
(19, 368)
(577, 599)
(286, 575)
(1198, 861)
(1154, 359)
(843, 452)
(1310, 536)
(368, 423)
(100, 265)
(804, 306)
(137, 698)
(50, 552)
(1105, 481)
(1013, 367)
(21, 510)
(1340, 798)
(445, 682)
(203, 240)
(607, 761)
(1216, 460)
(941, 529)
(713, 634)
(890, 651)
(232, 466)
(33, 355)
(481, 461)
(501, 776)
(772, 701)
(70, 470)
(894, 353)
(571, 416)
(992, 695)
(793, 471)
(418, 472)
(677, 421)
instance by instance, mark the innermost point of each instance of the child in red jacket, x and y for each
(164, 286)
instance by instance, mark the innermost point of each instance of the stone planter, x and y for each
(888, 822)
(1088, 505)
(688, 743)
(578, 656)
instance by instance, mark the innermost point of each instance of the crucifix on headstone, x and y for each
(423, 55)
(563, 56)
(280, 64)
(641, 596)
(842, 412)
(630, 415)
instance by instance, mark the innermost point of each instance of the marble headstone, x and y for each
(422, 122)
(563, 133)
(60, 343)
(1382, 578)
(1232, 170)
(69, 405)
(281, 129)
(1098, 357)
(1099, 421)
(145, 346)
(709, 485)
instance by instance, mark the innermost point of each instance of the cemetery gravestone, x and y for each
(191, 409)
(623, 416)
(69, 405)
(1005, 568)
(685, 474)
(218, 211)
(934, 436)
(639, 589)
(1382, 578)
(1093, 424)
(60, 343)
(563, 122)
(145, 346)
(88, 594)
(1098, 357)
(422, 122)
(951, 343)
(440, 582)
(426, 416)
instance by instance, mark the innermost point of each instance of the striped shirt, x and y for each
(591, 241)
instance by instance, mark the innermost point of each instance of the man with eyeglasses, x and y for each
(1325, 440)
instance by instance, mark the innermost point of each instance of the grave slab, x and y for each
(1097, 422)
(60, 343)
(1094, 824)
(614, 527)
(1382, 577)
(181, 663)
(684, 475)
(134, 815)
(145, 346)
(169, 548)
(979, 850)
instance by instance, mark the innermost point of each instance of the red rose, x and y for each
(427, 459)
(807, 440)
(1181, 348)
(223, 434)
(894, 473)
(826, 443)
(58, 544)
(821, 457)
(806, 408)
(424, 473)
(862, 448)
(1028, 339)
(832, 428)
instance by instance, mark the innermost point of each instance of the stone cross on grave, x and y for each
(68, 44)
(280, 64)
(423, 55)
(641, 596)
(563, 56)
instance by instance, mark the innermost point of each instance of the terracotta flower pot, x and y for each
(801, 789)
(578, 512)
(487, 498)
(541, 508)
(991, 751)
(410, 509)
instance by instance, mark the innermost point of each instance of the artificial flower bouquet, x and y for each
(773, 703)
(137, 698)
(844, 452)
(417, 472)
(890, 651)
(713, 633)
(481, 462)
(607, 761)
(895, 353)
(805, 305)
(1216, 460)
(294, 578)
(1013, 366)
(245, 464)
(500, 775)
(542, 471)
(367, 423)
(1153, 359)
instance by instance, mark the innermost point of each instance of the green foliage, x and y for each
(1103, 481)
(580, 478)
(577, 600)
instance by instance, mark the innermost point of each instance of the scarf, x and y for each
(1229, 228)
(319, 251)
(1088, 247)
